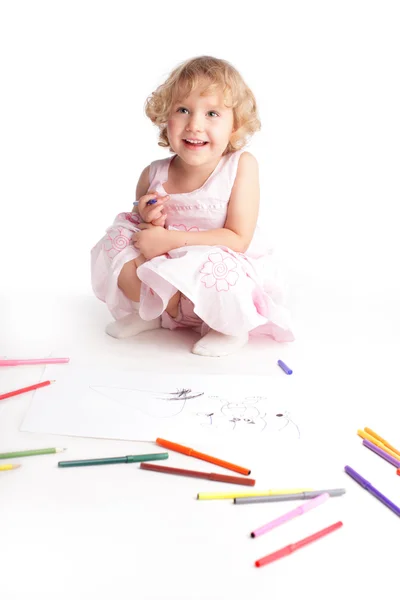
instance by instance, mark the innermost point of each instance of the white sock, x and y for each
(218, 344)
(131, 325)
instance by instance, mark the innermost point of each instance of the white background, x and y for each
(73, 140)
(74, 137)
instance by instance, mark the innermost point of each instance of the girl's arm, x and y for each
(142, 185)
(142, 189)
(242, 214)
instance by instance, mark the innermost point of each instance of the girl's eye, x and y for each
(185, 111)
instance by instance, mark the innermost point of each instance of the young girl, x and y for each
(192, 254)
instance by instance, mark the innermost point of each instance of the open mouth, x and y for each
(194, 144)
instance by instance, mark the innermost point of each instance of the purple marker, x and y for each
(370, 488)
(148, 203)
(284, 367)
(382, 453)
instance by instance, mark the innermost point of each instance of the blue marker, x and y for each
(148, 203)
(284, 367)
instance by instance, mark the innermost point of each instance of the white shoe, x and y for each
(218, 344)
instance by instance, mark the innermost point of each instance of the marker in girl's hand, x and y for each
(148, 203)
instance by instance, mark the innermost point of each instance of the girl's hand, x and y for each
(151, 241)
(160, 222)
(152, 213)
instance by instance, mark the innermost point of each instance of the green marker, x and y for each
(91, 462)
(31, 452)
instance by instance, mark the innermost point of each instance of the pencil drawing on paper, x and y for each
(248, 413)
(241, 414)
(161, 405)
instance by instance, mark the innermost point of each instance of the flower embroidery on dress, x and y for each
(184, 228)
(116, 241)
(132, 218)
(220, 272)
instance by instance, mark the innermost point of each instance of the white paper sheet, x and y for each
(131, 405)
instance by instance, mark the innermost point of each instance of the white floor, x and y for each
(104, 533)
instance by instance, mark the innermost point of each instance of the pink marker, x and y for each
(32, 361)
(300, 510)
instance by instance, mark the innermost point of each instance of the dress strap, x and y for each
(158, 172)
(231, 166)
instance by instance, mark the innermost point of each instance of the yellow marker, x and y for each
(231, 495)
(373, 440)
(8, 467)
(378, 437)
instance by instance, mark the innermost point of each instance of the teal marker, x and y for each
(91, 462)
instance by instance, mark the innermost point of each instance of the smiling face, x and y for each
(200, 126)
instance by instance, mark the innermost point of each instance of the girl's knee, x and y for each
(127, 270)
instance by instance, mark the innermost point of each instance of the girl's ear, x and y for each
(233, 137)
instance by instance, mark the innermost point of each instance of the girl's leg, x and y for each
(128, 281)
(173, 305)
(132, 324)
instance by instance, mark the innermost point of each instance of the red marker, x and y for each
(200, 474)
(293, 547)
(25, 389)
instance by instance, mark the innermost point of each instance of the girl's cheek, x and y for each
(170, 129)
(172, 124)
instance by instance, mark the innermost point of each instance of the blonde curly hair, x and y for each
(220, 75)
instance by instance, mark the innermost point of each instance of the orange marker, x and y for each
(378, 437)
(373, 440)
(201, 456)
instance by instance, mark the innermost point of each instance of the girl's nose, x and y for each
(194, 124)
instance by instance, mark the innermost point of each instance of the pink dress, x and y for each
(228, 291)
